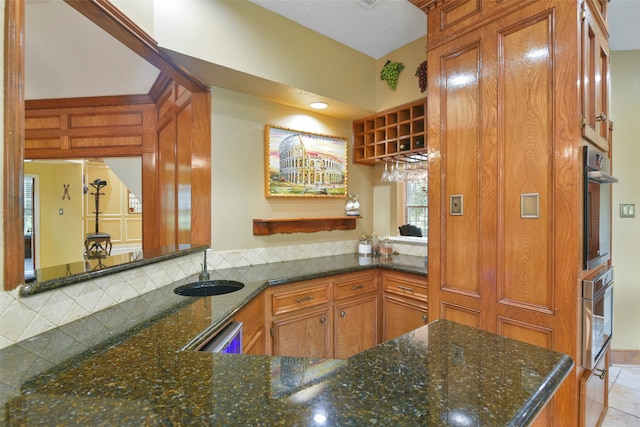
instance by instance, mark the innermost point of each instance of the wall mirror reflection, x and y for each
(60, 214)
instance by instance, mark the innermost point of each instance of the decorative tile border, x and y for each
(24, 317)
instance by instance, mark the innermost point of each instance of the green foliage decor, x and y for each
(390, 73)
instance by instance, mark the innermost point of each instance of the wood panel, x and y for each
(460, 314)
(356, 326)
(460, 100)
(314, 326)
(526, 147)
(401, 315)
(167, 185)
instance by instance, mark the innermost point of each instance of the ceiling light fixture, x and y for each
(319, 105)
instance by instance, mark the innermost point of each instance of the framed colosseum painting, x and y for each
(303, 164)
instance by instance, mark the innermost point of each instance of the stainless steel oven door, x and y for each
(597, 318)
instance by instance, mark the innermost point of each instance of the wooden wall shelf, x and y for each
(267, 226)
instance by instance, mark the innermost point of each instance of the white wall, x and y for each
(625, 110)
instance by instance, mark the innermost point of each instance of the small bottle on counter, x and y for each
(386, 248)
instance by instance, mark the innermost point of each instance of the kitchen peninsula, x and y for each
(135, 373)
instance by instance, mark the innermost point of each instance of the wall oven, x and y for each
(597, 208)
(597, 317)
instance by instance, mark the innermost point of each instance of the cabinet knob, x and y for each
(424, 318)
(323, 319)
(601, 118)
(342, 314)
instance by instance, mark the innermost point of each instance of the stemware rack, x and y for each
(398, 134)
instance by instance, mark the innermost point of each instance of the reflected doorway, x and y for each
(60, 209)
(30, 219)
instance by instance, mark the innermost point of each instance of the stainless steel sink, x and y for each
(208, 288)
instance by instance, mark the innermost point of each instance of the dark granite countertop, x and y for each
(123, 366)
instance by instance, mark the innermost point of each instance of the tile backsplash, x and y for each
(25, 317)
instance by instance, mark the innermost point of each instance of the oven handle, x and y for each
(601, 177)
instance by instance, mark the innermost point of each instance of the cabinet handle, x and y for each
(342, 314)
(601, 373)
(323, 319)
(353, 288)
(424, 317)
(601, 118)
(404, 288)
(307, 298)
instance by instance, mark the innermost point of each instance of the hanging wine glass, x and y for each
(385, 174)
(396, 175)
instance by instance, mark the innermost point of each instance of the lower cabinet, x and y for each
(401, 315)
(339, 316)
(404, 306)
(254, 338)
(594, 388)
(356, 326)
(303, 335)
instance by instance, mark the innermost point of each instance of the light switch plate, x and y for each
(627, 210)
(455, 204)
(530, 205)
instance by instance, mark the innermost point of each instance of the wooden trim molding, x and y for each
(88, 102)
(13, 143)
(625, 357)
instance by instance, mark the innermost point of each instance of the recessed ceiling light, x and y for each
(319, 105)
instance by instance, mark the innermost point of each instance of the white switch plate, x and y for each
(627, 210)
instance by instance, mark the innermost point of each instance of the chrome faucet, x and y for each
(204, 274)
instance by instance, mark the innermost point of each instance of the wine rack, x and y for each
(396, 133)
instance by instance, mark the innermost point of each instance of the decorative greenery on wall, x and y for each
(390, 73)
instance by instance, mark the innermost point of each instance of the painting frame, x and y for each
(301, 164)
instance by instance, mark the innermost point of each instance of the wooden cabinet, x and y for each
(355, 313)
(303, 335)
(595, 75)
(300, 318)
(253, 326)
(401, 315)
(397, 132)
(505, 120)
(594, 394)
(404, 304)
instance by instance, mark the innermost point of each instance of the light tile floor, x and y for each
(624, 397)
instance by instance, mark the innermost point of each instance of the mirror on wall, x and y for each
(60, 212)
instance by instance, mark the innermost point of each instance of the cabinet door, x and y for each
(356, 326)
(305, 335)
(253, 326)
(594, 393)
(595, 81)
(402, 315)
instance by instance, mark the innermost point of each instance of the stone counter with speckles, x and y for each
(131, 365)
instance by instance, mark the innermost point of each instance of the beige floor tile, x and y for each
(616, 418)
(629, 377)
(625, 399)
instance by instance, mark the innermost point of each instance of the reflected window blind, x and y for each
(416, 208)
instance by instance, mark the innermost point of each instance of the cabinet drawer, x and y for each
(288, 301)
(353, 287)
(406, 286)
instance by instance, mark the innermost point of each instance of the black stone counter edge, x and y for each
(200, 339)
(528, 413)
(26, 290)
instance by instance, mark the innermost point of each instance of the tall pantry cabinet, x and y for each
(504, 131)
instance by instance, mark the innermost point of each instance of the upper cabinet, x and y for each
(398, 132)
(595, 74)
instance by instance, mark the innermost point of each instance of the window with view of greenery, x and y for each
(416, 207)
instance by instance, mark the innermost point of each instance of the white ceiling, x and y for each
(68, 56)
